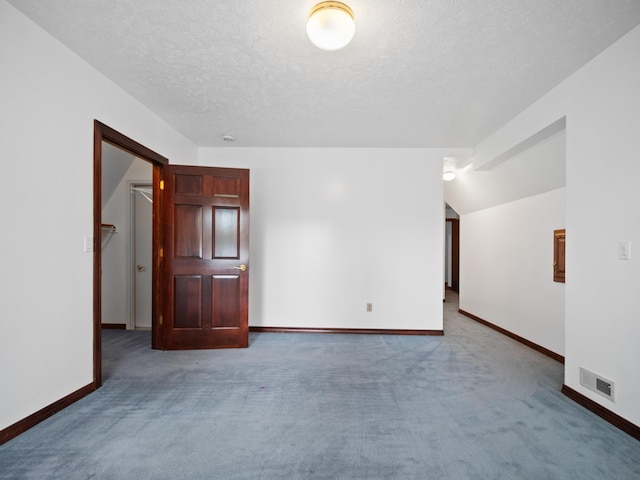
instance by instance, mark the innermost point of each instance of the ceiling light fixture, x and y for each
(228, 138)
(448, 176)
(449, 168)
(331, 25)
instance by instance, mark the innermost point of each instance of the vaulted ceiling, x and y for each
(419, 73)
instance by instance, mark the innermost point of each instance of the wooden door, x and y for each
(455, 254)
(559, 237)
(205, 257)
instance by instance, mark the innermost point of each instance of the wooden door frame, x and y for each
(455, 253)
(102, 132)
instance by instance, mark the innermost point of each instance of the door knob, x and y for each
(241, 267)
(140, 268)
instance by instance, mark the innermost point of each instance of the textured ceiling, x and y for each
(419, 73)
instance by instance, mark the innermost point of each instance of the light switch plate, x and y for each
(624, 250)
(88, 244)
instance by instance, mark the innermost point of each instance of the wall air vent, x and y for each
(596, 383)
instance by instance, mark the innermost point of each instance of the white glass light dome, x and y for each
(331, 25)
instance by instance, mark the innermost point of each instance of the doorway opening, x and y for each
(126, 240)
(139, 259)
(104, 138)
(452, 250)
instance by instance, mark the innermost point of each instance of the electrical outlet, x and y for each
(369, 307)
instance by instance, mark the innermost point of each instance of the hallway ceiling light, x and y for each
(331, 25)
(449, 168)
(448, 176)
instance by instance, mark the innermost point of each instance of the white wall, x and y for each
(506, 274)
(334, 229)
(601, 102)
(116, 261)
(49, 99)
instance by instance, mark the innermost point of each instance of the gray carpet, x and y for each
(471, 405)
